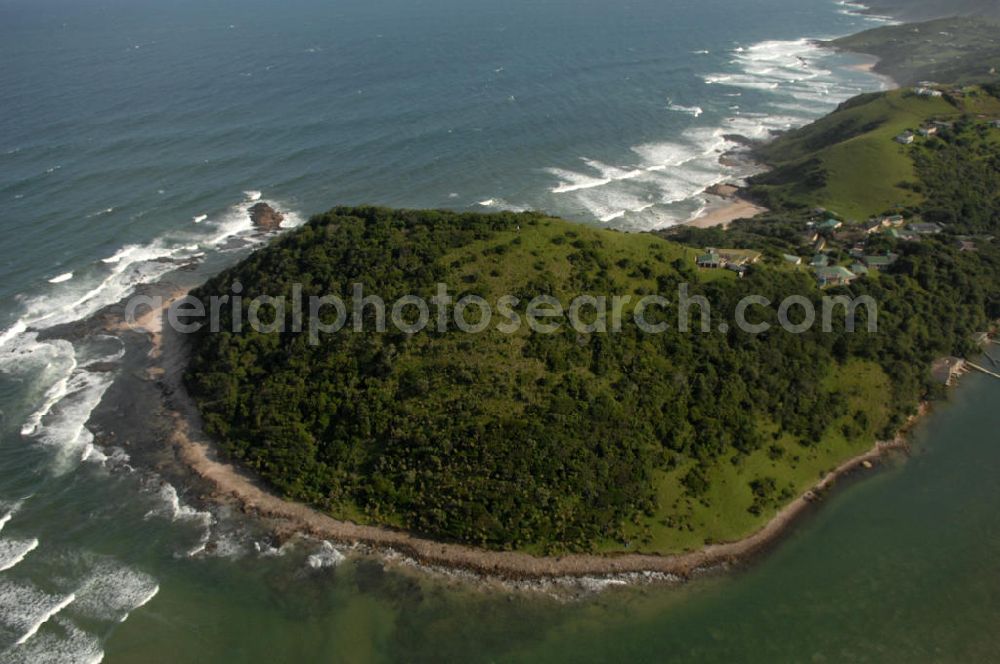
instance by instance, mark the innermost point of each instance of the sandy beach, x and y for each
(736, 208)
(232, 486)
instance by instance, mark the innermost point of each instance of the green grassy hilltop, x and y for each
(849, 161)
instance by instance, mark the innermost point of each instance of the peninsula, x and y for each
(605, 445)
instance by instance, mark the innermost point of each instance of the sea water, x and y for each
(133, 135)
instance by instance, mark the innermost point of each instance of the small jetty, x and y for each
(946, 370)
(984, 370)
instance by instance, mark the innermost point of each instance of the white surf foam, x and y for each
(501, 204)
(252, 196)
(172, 508)
(66, 395)
(62, 363)
(101, 213)
(267, 550)
(45, 617)
(112, 280)
(694, 111)
(326, 557)
(113, 591)
(63, 426)
(791, 69)
(65, 276)
(859, 10)
(200, 218)
(665, 181)
(14, 551)
(24, 608)
(18, 328)
(70, 646)
(573, 181)
(7, 512)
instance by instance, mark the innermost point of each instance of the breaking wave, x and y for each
(662, 183)
(14, 551)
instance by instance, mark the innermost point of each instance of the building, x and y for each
(859, 269)
(834, 276)
(927, 132)
(820, 260)
(893, 221)
(728, 258)
(793, 260)
(809, 236)
(905, 138)
(739, 256)
(709, 260)
(849, 235)
(966, 245)
(830, 225)
(925, 228)
(740, 270)
(879, 262)
(873, 226)
(908, 236)
(927, 92)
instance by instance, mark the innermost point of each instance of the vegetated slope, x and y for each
(952, 50)
(848, 161)
(547, 442)
(959, 173)
(919, 10)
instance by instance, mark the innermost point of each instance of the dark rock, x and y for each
(265, 217)
(101, 367)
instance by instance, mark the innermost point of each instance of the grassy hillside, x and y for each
(848, 161)
(921, 10)
(952, 50)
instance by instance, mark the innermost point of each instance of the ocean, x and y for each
(133, 135)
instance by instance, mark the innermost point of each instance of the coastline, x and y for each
(734, 206)
(231, 486)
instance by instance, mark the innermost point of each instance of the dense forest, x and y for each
(550, 441)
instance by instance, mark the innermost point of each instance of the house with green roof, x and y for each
(837, 275)
(879, 262)
(710, 260)
(820, 260)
